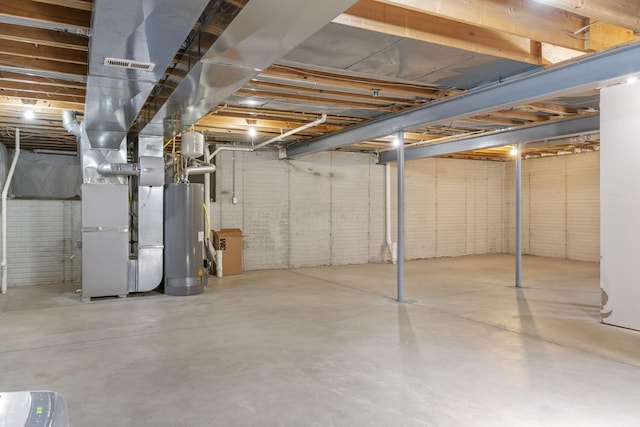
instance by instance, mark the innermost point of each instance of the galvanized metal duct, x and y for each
(262, 33)
(71, 123)
(147, 32)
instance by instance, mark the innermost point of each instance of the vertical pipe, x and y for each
(400, 216)
(234, 198)
(5, 192)
(518, 216)
(393, 248)
(207, 197)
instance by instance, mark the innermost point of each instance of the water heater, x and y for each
(184, 234)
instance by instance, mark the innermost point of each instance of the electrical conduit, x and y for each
(291, 132)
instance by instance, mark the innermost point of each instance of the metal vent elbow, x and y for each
(71, 123)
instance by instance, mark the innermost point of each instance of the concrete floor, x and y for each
(329, 346)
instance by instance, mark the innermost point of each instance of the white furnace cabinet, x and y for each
(105, 240)
(620, 205)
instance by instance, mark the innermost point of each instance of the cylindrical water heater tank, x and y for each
(192, 144)
(184, 233)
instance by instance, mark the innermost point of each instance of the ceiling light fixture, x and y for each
(514, 151)
(252, 131)
(29, 115)
(396, 142)
(632, 80)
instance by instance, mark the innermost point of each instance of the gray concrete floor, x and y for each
(329, 346)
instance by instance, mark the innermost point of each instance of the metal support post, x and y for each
(518, 216)
(400, 137)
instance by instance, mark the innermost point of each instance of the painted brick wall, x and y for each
(41, 241)
(310, 220)
(452, 207)
(583, 207)
(560, 207)
(306, 212)
(328, 208)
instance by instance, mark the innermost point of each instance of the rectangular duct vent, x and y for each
(127, 63)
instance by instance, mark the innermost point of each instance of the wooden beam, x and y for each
(54, 107)
(43, 64)
(241, 123)
(72, 4)
(259, 113)
(305, 99)
(53, 54)
(370, 98)
(49, 90)
(43, 37)
(519, 18)
(13, 102)
(389, 19)
(30, 94)
(36, 80)
(622, 13)
(602, 36)
(50, 13)
(386, 88)
(546, 107)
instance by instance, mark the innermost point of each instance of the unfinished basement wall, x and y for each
(453, 207)
(328, 208)
(41, 241)
(323, 209)
(560, 206)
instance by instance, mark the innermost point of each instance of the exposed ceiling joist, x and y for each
(72, 4)
(625, 14)
(41, 37)
(517, 17)
(389, 19)
(30, 13)
(589, 73)
(42, 52)
(385, 87)
(30, 65)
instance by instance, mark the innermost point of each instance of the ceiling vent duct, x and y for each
(127, 63)
(261, 34)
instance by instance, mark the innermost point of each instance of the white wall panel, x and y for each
(583, 207)
(41, 241)
(350, 208)
(310, 210)
(378, 251)
(450, 207)
(548, 210)
(329, 208)
(224, 214)
(620, 202)
(265, 193)
(420, 208)
(560, 207)
(496, 209)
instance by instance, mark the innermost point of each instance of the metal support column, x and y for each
(518, 216)
(400, 137)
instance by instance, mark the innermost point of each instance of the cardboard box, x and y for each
(229, 241)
